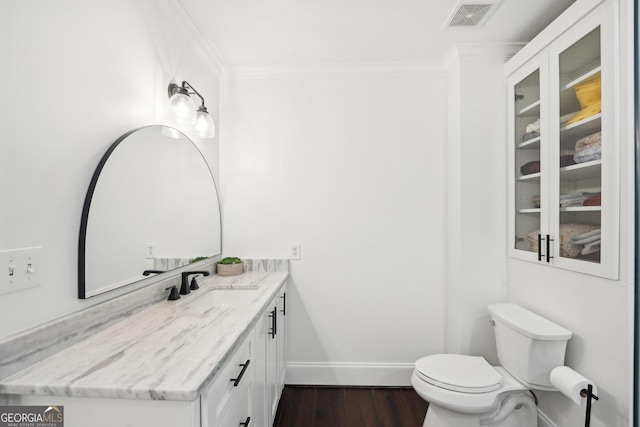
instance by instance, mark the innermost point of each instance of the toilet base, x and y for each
(515, 410)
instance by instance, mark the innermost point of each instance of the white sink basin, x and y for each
(220, 298)
(232, 297)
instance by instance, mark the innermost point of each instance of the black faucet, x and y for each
(184, 289)
(148, 272)
(174, 295)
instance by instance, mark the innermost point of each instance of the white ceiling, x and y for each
(282, 32)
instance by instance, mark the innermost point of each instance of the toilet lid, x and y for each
(467, 374)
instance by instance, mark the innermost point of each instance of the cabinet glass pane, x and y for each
(580, 160)
(527, 142)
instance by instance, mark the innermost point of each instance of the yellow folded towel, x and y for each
(589, 96)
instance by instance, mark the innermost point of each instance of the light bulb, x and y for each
(205, 126)
(181, 109)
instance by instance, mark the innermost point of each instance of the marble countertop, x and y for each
(169, 351)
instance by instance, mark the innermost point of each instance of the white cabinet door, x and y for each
(528, 158)
(233, 383)
(240, 413)
(281, 339)
(269, 340)
(584, 123)
(273, 390)
(260, 415)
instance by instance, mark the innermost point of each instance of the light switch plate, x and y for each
(20, 269)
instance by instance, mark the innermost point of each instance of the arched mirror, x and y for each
(152, 205)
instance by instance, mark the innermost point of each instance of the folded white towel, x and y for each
(586, 240)
(595, 232)
(591, 248)
(533, 127)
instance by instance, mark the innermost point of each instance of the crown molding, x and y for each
(479, 52)
(328, 70)
(206, 52)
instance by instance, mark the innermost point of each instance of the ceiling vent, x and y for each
(469, 14)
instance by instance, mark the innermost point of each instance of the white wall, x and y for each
(597, 312)
(76, 75)
(351, 165)
(476, 197)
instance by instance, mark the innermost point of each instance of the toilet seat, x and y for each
(456, 372)
(465, 402)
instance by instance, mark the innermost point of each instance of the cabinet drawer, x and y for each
(232, 381)
(239, 413)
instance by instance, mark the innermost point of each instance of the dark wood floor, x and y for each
(350, 407)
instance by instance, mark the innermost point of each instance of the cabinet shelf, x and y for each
(533, 143)
(587, 76)
(532, 110)
(580, 171)
(581, 209)
(530, 177)
(573, 132)
(590, 122)
(568, 100)
(530, 211)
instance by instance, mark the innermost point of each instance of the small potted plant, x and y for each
(229, 266)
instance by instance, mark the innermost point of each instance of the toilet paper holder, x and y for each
(588, 393)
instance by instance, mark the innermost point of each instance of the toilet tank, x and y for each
(529, 346)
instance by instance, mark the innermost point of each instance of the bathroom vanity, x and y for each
(215, 357)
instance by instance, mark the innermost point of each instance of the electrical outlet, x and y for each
(149, 250)
(294, 251)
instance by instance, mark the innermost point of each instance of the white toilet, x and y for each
(466, 391)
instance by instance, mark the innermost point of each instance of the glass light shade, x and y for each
(181, 109)
(205, 127)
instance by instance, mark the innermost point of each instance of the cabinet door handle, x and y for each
(549, 240)
(236, 381)
(275, 322)
(540, 239)
(273, 315)
(284, 304)
(246, 423)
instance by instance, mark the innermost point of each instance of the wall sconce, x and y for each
(181, 110)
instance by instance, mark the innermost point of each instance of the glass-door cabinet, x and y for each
(564, 151)
(529, 147)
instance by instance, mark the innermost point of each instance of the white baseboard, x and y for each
(350, 374)
(544, 421)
